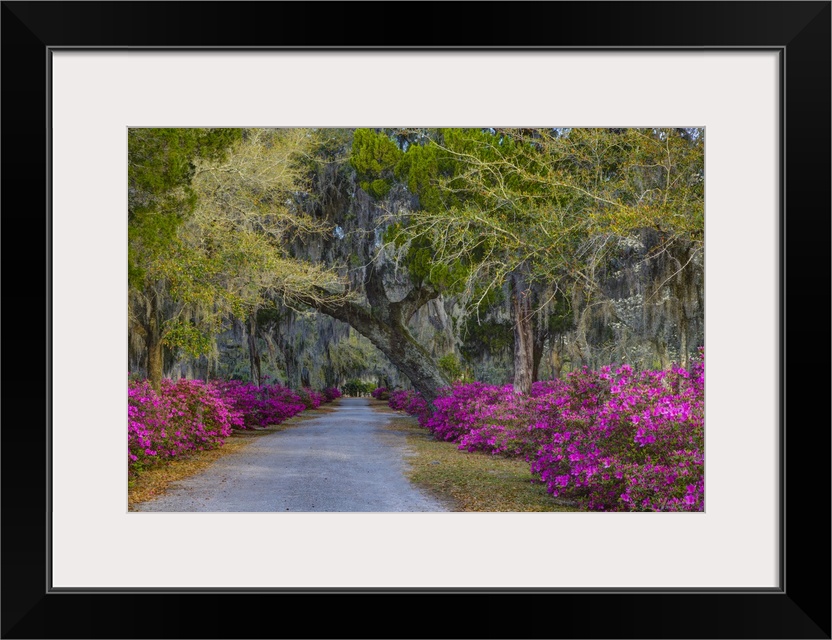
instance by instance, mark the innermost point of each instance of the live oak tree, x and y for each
(161, 164)
(388, 298)
(251, 214)
(647, 184)
(491, 214)
(211, 213)
(368, 226)
(538, 210)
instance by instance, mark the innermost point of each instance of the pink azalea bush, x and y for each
(188, 415)
(380, 393)
(464, 409)
(260, 406)
(609, 440)
(621, 441)
(331, 393)
(411, 402)
(192, 415)
(398, 399)
(310, 398)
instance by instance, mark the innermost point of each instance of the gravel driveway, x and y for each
(340, 461)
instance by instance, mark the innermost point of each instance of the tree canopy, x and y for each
(420, 240)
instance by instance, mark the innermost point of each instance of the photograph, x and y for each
(416, 319)
(414, 309)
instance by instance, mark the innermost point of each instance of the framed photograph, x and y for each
(754, 76)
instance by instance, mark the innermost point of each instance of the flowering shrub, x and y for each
(608, 440)
(331, 393)
(398, 399)
(310, 398)
(411, 402)
(188, 415)
(192, 415)
(460, 409)
(380, 393)
(260, 406)
(417, 406)
(625, 442)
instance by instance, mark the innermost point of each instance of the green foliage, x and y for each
(495, 202)
(488, 296)
(377, 188)
(420, 168)
(329, 145)
(374, 156)
(187, 337)
(480, 197)
(160, 160)
(560, 317)
(630, 179)
(357, 387)
(355, 357)
(450, 276)
(548, 203)
(423, 268)
(160, 167)
(451, 367)
(486, 337)
(150, 233)
(269, 315)
(462, 166)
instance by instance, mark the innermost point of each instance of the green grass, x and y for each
(470, 481)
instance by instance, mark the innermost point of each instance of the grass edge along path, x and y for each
(155, 481)
(471, 482)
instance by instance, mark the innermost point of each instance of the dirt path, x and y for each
(341, 461)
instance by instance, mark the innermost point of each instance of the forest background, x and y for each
(413, 257)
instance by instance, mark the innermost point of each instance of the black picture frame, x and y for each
(800, 608)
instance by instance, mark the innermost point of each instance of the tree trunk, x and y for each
(330, 379)
(684, 288)
(384, 324)
(541, 333)
(413, 361)
(154, 358)
(253, 353)
(557, 359)
(584, 352)
(521, 307)
(203, 368)
(395, 341)
(149, 326)
(292, 368)
(661, 351)
(683, 337)
(153, 341)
